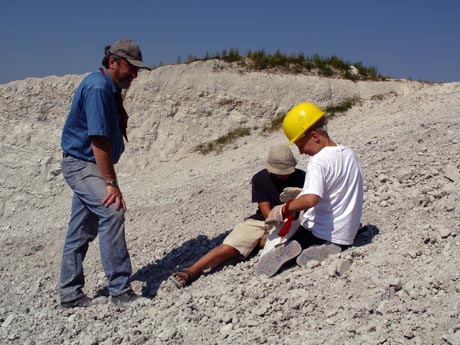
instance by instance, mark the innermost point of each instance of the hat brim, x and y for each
(278, 171)
(138, 64)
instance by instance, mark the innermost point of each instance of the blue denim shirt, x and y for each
(94, 112)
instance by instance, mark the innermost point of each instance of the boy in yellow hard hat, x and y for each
(330, 204)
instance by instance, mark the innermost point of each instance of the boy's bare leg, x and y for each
(214, 257)
(263, 240)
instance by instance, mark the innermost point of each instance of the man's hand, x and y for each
(275, 215)
(114, 196)
(103, 155)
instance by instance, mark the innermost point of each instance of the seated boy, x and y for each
(267, 186)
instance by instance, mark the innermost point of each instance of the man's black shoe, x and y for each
(126, 299)
(83, 302)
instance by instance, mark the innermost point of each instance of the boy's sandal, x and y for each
(182, 278)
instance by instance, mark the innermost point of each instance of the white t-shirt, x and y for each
(334, 174)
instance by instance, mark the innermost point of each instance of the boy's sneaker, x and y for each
(126, 299)
(274, 259)
(83, 302)
(318, 253)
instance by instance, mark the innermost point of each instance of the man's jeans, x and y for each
(88, 218)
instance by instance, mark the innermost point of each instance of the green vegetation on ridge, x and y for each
(275, 124)
(219, 143)
(294, 63)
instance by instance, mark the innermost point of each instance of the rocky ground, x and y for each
(403, 285)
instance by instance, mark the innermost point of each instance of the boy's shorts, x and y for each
(246, 236)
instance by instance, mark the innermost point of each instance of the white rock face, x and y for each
(354, 71)
(403, 285)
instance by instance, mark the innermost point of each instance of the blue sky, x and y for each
(402, 38)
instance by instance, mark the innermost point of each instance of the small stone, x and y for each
(226, 318)
(226, 329)
(444, 233)
(395, 283)
(382, 308)
(252, 323)
(332, 269)
(313, 263)
(412, 254)
(453, 337)
(404, 175)
(353, 70)
(9, 319)
(167, 334)
(452, 173)
(72, 318)
(382, 178)
(342, 266)
(262, 310)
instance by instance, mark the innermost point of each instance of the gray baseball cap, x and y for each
(280, 160)
(128, 50)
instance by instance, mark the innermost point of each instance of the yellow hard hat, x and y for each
(299, 119)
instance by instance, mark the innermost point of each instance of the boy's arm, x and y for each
(302, 203)
(265, 208)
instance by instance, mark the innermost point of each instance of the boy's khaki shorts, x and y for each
(245, 236)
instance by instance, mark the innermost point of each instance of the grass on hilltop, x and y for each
(294, 63)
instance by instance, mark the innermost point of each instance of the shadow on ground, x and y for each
(158, 271)
(365, 235)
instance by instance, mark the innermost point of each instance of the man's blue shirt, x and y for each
(94, 112)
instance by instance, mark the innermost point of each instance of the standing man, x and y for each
(92, 143)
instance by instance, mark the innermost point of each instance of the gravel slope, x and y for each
(403, 285)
